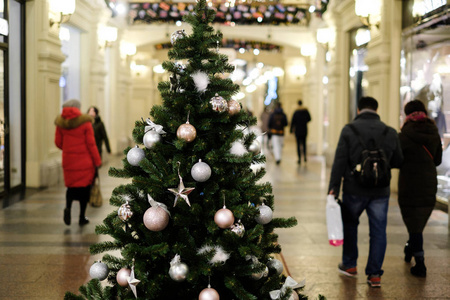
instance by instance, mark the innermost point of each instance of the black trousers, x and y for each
(81, 194)
(301, 145)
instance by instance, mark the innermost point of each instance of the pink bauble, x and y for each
(294, 296)
(122, 277)
(224, 218)
(233, 107)
(156, 218)
(209, 294)
(187, 132)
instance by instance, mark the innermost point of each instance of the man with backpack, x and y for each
(367, 150)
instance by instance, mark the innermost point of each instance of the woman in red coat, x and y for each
(80, 158)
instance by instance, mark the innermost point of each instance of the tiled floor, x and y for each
(41, 258)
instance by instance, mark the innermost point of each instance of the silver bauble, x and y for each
(238, 229)
(219, 103)
(258, 276)
(276, 266)
(99, 270)
(224, 218)
(255, 147)
(180, 68)
(209, 294)
(124, 212)
(122, 277)
(201, 171)
(265, 214)
(179, 271)
(156, 218)
(151, 138)
(187, 132)
(135, 155)
(179, 34)
(233, 107)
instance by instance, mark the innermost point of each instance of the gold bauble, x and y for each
(233, 107)
(187, 132)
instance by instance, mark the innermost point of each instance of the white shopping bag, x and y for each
(334, 222)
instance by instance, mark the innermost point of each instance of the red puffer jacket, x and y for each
(75, 137)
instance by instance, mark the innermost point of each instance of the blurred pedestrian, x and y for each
(265, 115)
(99, 130)
(277, 122)
(80, 157)
(299, 126)
(417, 185)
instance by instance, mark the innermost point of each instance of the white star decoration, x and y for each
(133, 282)
(181, 192)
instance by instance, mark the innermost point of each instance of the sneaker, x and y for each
(350, 272)
(83, 221)
(374, 281)
(67, 216)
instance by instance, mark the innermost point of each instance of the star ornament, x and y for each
(181, 192)
(133, 282)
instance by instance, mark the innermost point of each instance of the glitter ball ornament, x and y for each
(258, 276)
(218, 103)
(238, 228)
(122, 277)
(265, 214)
(99, 271)
(209, 294)
(179, 34)
(156, 218)
(233, 107)
(201, 171)
(135, 155)
(178, 270)
(224, 218)
(151, 138)
(275, 266)
(187, 132)
(124, 212)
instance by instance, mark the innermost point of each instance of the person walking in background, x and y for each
(265, 115)
(75, 137)
(417, 185)
(99, 130)
(357, 198)
(277, 122)
(299, 127)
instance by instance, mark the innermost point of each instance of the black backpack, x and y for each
(373, 169)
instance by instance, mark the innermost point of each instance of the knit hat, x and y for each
(413, 106)
(72, 103)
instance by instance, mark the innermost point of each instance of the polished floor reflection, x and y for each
(41, 258)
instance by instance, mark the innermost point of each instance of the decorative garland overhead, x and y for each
(236, 44)
(276, 14)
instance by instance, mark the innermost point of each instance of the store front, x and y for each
(425, 71)
(12, 99)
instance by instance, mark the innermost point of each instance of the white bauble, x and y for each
(201, 171)
(99, 270)
(179, 271)
(265, 214)
(151, 138)
(135, 155)
(209, 294)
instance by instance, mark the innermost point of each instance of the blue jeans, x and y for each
(376, 209)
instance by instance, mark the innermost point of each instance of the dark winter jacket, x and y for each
(348, 152)
(277, 122)
(100, 135)
(299, 122)
(417, 184)
(75, 137)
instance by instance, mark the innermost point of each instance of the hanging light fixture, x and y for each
(369, 12)
(60, 11)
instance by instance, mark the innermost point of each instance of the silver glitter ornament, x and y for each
(258, 276)
(124, 212)
(135, 155)
(178, 270)
(151, 138)
(255, 147)
(201, 171)
(238, 228)
(209, 294)
(276, 266)
(265, 214)
(219, 103)
(99, 270)
(179, 34)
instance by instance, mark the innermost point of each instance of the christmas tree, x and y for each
(195, 222)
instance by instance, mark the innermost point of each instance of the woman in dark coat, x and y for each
(80, 158)
(99, 130)
(417, 187)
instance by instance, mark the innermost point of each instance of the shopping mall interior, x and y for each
(113, 54)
